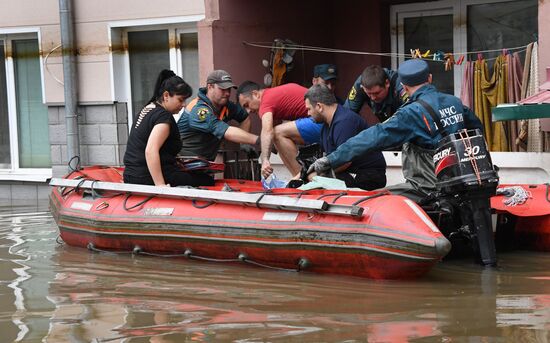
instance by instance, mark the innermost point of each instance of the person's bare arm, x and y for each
(158, 136)
(245, 124)
(238, 135)
(266, 143)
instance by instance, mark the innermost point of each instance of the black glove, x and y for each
(249, 150)
(320, 166)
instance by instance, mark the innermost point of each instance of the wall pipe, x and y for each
(70, 79)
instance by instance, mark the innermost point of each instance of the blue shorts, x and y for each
(309, 130)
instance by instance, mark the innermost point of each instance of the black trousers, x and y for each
(367, 179)
(174, 177)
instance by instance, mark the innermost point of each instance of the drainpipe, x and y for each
(70, 80)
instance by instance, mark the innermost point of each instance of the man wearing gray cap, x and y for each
(411, 126)
(204, 123)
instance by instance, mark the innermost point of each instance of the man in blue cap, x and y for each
(326, 74)
(412, 125)
(380, 89)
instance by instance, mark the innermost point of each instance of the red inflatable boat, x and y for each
(530, 219)
(366, 234)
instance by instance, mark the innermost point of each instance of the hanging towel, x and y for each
(535, 141)
(491, 92)
(515, 77)
(466, 91)
(521, 141)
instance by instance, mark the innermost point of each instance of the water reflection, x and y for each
(57, 293)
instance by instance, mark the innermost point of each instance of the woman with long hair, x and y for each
(154, 141)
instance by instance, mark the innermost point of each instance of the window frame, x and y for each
(15, 173)
(120, 63)
(458, 9)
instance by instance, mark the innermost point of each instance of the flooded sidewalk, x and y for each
(50, 292)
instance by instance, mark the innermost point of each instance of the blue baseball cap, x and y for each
(325, 71)
(413, 72)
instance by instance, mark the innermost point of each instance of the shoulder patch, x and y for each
(352, 94)
(202, 114)
(404, 96)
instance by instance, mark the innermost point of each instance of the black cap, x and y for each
(325, 71)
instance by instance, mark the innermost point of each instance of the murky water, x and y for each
(51, 292)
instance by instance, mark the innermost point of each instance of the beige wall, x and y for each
(92, 19)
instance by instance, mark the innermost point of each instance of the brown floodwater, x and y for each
(50, 292)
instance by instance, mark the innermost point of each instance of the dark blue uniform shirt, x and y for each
(396, 97)
(346, 124)
(411, 123)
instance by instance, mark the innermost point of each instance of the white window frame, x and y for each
(459, 10)
(120, 63)
(15, 173)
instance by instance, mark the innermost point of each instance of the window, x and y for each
(24, 139)
(149, 50)
(189, 48)
(459, 26)
(149, 54)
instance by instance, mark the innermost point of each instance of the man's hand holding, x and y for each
(266, 169)
(320, 166)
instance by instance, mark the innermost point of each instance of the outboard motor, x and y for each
(465, 176)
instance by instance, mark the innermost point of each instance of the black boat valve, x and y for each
(303, 264)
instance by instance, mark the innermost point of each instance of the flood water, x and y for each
(50, 292)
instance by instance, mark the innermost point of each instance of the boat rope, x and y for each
(547, 191)
(371, 197)
(302, 264)
(77, 166)
(76, 189)
(337, 195)
(194, 203)
(128, 195)
(90, 246)
(98, 195)
(59, 240)
(259, 199)
(470, 152)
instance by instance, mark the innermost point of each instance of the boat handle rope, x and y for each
(195, 204)
(259, 199)
(336, 195)
(66, 191)
(102, 205)
(302, 264)
(77, 168)
(371, 197)
(98, 195)
(128, 195)
(547, 191)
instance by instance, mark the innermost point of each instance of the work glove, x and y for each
(320, 166)
(249, 150)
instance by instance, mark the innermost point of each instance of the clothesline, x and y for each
(415, 53)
